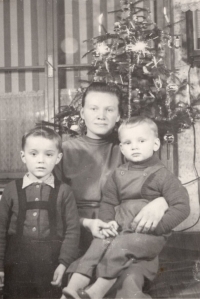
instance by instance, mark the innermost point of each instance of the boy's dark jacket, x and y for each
(66, 213)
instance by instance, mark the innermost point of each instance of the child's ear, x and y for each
(156, 145)
(59, 158)
(121, 148)
(23, 157)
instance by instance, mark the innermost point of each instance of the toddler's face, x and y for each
(100, 113)
(138, 143)
(40, 156)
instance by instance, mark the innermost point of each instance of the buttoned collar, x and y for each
(27, 181)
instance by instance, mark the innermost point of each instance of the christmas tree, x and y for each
(133, 58)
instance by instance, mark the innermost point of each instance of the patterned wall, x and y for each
(18, 113)
(23, 43)
(22, 36)
(78, 21)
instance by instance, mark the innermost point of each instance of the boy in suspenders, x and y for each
(39, 222)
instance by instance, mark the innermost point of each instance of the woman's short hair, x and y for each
(45, 132)
(137, 120)
(104, 87)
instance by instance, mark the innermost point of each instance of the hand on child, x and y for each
(149, 217)
(1, 279)
(58, 275)
(111, 231)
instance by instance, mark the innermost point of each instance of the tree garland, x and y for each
(133, 58)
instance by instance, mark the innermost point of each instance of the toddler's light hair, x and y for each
(137, 120)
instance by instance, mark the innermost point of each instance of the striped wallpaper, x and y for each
(23, 39)
(78, 21)
(22, 36)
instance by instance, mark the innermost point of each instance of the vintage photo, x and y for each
(100, 149)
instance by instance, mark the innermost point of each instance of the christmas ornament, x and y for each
(102, 48)
(181, 106)
(184, 126)
(169, 139)
(139, 46)
(177, 42)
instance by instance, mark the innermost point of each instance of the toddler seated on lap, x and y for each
(129, 188)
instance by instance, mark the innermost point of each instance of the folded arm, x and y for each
(163, 214)
(149, 216)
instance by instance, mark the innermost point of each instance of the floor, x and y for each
(176, 277)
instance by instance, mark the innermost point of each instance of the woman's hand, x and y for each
(58, 275)
(111, 231)
(149, 217)
(95, 226)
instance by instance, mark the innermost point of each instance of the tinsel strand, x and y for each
(129, 85)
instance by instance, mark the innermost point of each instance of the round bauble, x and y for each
(169, 138)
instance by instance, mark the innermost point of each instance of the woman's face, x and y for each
(100, 113)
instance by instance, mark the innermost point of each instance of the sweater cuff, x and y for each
(159, 230)
(61, 261)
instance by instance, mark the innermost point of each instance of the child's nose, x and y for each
(134, 145)
(40, 158)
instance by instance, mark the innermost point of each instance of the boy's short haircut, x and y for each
(137, 120)
(104, 87)
(43, 132)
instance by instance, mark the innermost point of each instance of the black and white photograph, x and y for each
(99, 149)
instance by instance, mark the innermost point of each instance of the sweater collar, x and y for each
(144, 164)
(95, 141)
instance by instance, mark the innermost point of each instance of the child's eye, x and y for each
(33, 154)
(142, 141)
(93, 108)
(49, 155)
(110, 110)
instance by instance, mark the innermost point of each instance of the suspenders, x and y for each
(49, 205)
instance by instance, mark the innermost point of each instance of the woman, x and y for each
(87, 163)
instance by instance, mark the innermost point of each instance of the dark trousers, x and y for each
(108, 258)
(29, 269)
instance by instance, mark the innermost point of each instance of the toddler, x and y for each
(130, 187)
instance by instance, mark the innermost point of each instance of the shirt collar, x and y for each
(27, 181)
